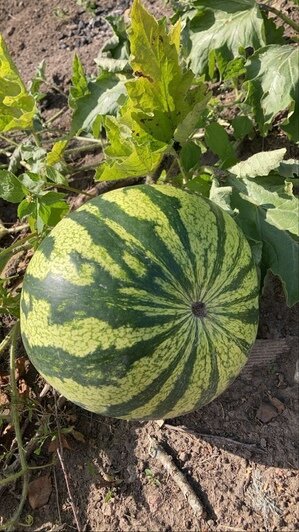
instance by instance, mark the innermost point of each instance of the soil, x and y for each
(240, 452)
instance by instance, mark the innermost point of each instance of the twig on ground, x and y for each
(213, 437)
(13, 521)
(69, 490)
(166, 460)
(59, 452)
(57, 496)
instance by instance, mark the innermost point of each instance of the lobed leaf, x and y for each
(223, 26)
(272, 75)
(17, 106)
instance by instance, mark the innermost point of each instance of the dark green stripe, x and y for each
(248, 316)
(218, 259)
(182, 383)
(207, 395)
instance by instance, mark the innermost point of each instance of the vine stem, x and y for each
(71, 189)
(86, 147)
(9, 141)
(3, 346)
(10, 525)
(281, 15)
(55, 116)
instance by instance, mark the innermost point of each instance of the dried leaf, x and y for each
(4, 378)
(55, 444)
(23, 388)
(3, 399)
(39, 491)
(78, 436)
(22, 365)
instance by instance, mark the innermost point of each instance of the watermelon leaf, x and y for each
(218, 141)
(272, 75)
(163, 105)
(242, 126)
(268, 213)
(224, 26)
(10, 187)
(100, 97)
(17, 106)
(259, 164)
(127, 157)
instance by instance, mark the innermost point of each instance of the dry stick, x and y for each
(158, 452)
(60, 457)
(9, 525)
(57, 496)
(212, 437)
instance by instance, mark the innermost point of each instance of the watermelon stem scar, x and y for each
(199, 309)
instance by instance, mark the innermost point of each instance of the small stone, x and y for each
(107, 510)
(266, 412)
(263, 443)
(210, 523)
(183, 456)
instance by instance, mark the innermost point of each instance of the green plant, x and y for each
(150, 475)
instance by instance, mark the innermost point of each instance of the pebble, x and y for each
(263, 443)
(183, 456)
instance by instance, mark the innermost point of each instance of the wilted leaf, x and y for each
(39, 491)
(23, 388)
(266, 412)
(22, 365)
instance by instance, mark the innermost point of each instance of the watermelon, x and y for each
(142, 304)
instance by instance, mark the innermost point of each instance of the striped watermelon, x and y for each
(142, 304)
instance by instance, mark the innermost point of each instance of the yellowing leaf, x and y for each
(56, 153)
(17, 107)
(160, 97)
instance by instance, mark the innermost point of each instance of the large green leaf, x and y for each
(259, 164)
(273, 86)
(101, 97)
(17, 107)
(268, 213)
(218, 141)
(224, 26)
